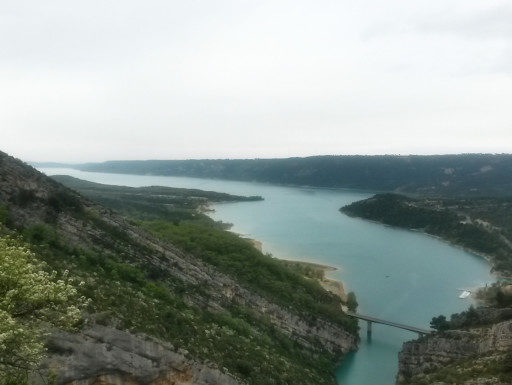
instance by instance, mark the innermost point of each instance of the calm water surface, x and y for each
(399, 275)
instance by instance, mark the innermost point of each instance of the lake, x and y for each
(398, 275)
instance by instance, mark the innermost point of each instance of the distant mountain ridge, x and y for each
(464, 174)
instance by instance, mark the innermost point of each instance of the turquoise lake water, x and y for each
(398, 275)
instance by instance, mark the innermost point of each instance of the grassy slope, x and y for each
(231, 254)
(237, 257)
(139, 298)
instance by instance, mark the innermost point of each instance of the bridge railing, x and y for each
(370, 320)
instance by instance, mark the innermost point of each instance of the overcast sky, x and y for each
(98, 80)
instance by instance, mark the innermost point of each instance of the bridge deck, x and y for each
(390, 323)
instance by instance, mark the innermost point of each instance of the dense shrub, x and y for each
(239, 258)
(31, 299)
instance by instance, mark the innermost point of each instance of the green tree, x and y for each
(439, 323)
(31, 301)
(351, 301)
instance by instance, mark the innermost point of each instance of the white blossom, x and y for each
(29, 298)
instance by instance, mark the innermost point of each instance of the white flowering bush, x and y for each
(31, 300)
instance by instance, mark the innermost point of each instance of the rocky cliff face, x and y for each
(104, 356)
(476, 355)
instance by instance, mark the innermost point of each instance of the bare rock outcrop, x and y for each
(463, 350)
(101, 355)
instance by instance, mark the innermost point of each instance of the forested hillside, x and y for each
(467, 174)
(156, 300)
(153, 202)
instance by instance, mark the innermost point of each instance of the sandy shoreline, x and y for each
(332, 285)
(323, 267)
(257, 244)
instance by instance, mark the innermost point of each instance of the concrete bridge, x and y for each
(370, 320)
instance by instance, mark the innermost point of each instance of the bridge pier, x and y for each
(369, 328)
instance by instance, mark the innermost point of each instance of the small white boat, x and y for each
(465, 294)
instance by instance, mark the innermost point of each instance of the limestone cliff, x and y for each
(479, 354)
(101, 355)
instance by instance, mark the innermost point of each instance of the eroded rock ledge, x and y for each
(472, 356)
(101, 355)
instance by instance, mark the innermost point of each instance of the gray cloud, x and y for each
(492, 23)
(175, 79)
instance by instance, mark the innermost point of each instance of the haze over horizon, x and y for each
(95, 81)
(43, 163)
